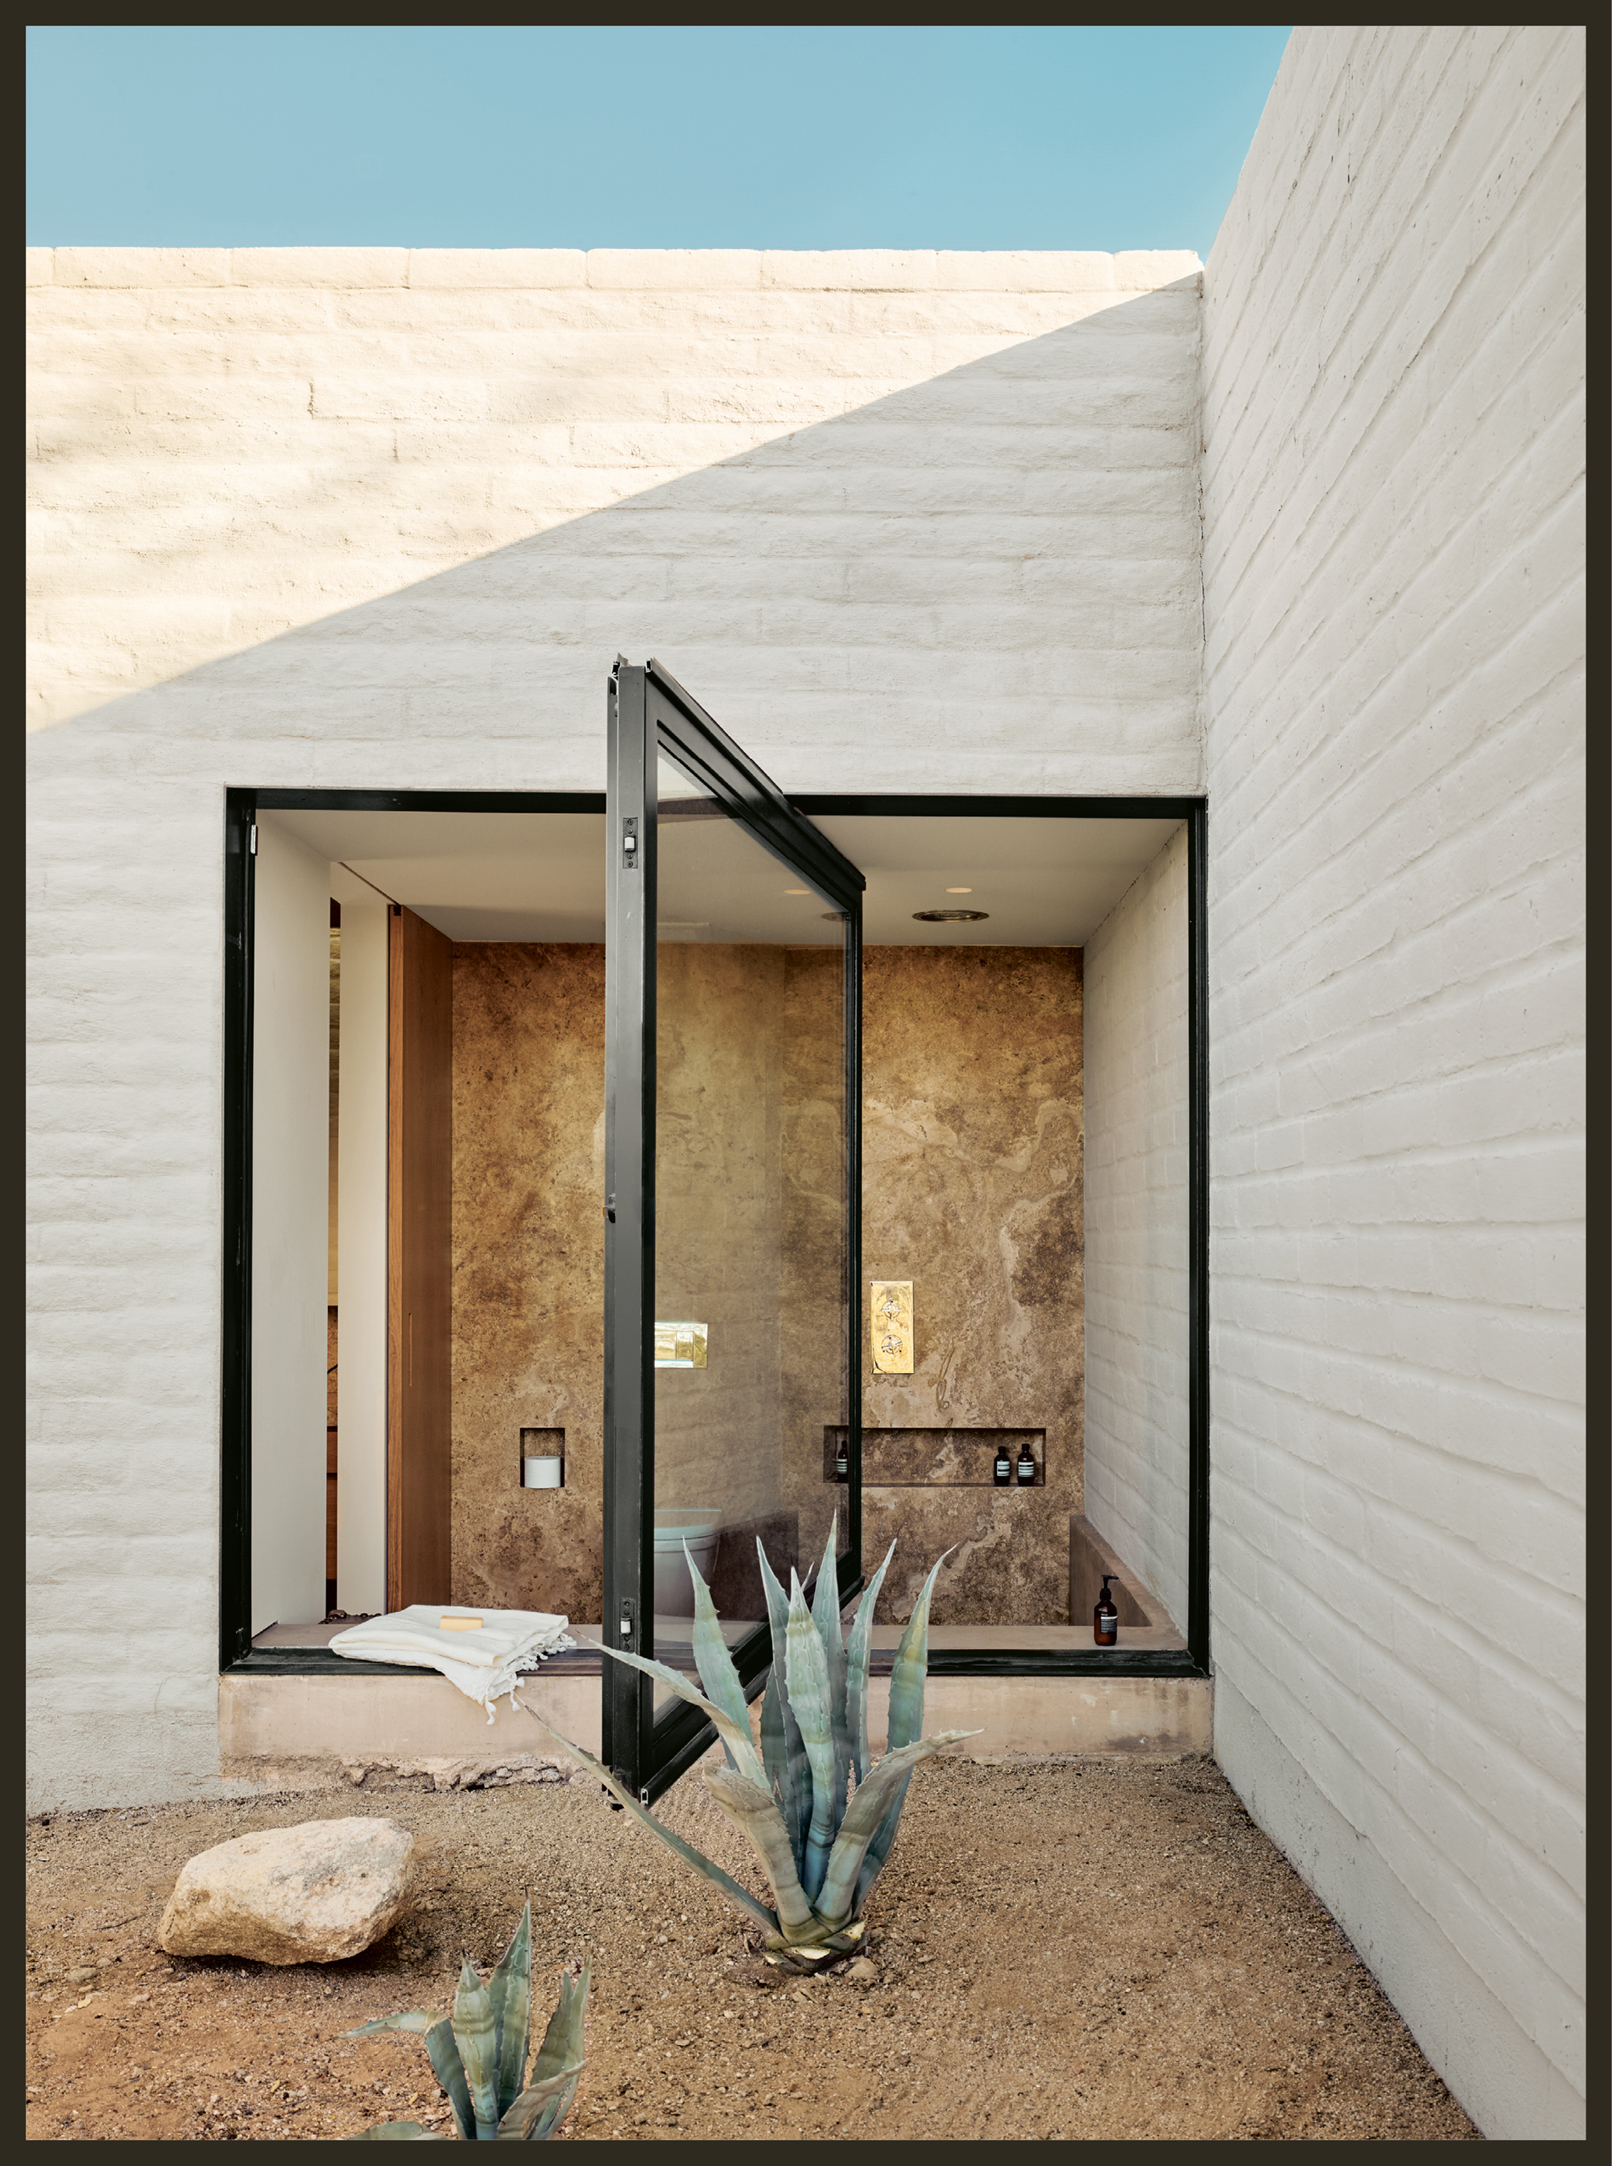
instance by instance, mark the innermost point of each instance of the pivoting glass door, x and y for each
(732, 1415)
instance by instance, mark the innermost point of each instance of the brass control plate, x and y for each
(891, 1332)
(680, 1346)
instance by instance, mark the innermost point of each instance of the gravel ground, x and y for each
(1063, 1949)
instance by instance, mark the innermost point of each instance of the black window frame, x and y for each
(236, 1655)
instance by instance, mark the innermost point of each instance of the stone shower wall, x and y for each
(528, 1271)
(973, 1154)
(972, 1187)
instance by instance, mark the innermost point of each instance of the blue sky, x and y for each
(500, 137)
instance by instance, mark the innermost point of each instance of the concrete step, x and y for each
(311, 1732)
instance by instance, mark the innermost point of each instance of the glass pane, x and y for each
(750, 1217)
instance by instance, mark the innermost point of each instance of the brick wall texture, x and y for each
(1393, 688)
(405, 506)
(1137, 1334)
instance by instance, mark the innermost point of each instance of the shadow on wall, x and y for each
(1004, 557)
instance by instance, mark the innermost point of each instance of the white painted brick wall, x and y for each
(448, 482)
(353, 517)
(1137, 1203)
(1393, 697)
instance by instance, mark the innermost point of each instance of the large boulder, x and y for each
(309, 1894)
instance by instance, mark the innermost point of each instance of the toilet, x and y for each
(675, 1525)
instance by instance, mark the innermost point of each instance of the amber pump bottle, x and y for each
(1105, 1617)
(1026, 1466)
(1003, 1470)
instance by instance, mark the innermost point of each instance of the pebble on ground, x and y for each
(1066, 1949)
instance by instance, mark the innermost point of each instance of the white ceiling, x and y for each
(530, 876)
(1044, 883)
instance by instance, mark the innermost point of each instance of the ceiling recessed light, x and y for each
(797, 890)
(959, 891)
(950, 917)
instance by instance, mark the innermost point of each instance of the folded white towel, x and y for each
(483, 1663)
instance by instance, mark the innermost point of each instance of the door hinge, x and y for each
(627, 1624)
(251, 840)
(629, 844)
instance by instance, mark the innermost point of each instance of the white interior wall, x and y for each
(1136, 1086)
(290, 1226)
(1393, 518)
(361, 1254)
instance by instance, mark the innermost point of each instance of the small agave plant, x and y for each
(479, 2052)
(821, 1844)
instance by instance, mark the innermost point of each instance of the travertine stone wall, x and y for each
(528, 1271)
(1394, 695)
(813, 1381)
(718, 1221)
(749, 1223)
(972, 1188)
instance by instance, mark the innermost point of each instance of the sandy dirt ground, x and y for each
(1063, 1949)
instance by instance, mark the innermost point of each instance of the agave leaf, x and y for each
(547, 2098)
(757, 1818)
(741, 1898)
(442, 2048)
(510, 1991)
(774, 1757)
(826, 1617)
(808, 1695)
(540, 2106)
(563, 2035)
(790, 1771)
(734, 1735)
(856, 1669)
(415, 2020)
(714, 1663)
(882, 1793)
(475, 2034)
(911, 1667)
(405, 2129)
(907, 1675)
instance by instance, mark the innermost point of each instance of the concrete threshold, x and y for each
(331, 1732)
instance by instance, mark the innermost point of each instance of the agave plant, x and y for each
(479, 2051)
(821, 1842)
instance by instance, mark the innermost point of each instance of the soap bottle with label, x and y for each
(842, 1458)
(1026, 1466)
(1105, 1617)
(1003, 1470)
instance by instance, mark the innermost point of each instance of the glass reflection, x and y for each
(750, 1216)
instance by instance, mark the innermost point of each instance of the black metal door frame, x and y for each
(648, 713)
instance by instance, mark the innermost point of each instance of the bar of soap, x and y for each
(461, 1624)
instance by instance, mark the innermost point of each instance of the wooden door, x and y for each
(419, 1280)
